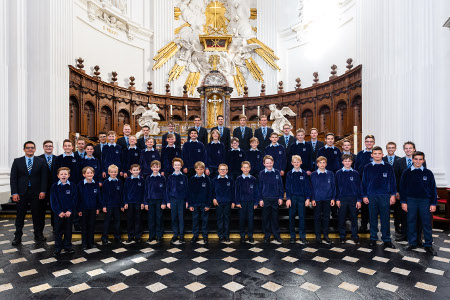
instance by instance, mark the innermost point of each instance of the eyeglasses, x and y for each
(29, 148)
(48, 146)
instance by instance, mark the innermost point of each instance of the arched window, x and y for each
(105, 119)
(74, 113)
(341, 119)
(89, 115)
(307, 120)
(123, 118)
(324, 119)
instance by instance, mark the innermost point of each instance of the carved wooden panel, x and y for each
(74, 113)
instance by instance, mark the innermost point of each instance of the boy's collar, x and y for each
(85, 181)
(146, 149)
(71, 154)
(112, 179)
(153, 175)
(203, 175)
(168, 146)
(266, 170)
(132, 177)
(274, 145)
(134, 147)
(300, 142)
(320, 172)
(238, 149)
(251, 149)
(176, 173)
(344, 169)
(60, 183)
(326, 146)
(226, 176)
(245, 176)
(112, 144)
(299, 170)
(380, 163)
(212, 142)
(193, 141)
(414, 168)
(87, 157)
(365, 150)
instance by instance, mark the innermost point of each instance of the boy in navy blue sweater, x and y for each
(111, 154)
(89, 203)
(270, 191)
(348, 197)
(378, 191)
(331, 153)
(246, 199)
(199, 201)
(176, 191)
(302, 149)
(131, 156)
(90, 161)
(255, 157)
(235, 157)
(223, 196)
(323, 193)
(67, 159)
(215, 154)
(112, 193)
(155, 195)
(168, 153)
(277, 152)
(418, 194)
(133, 202)
(298, 195)
(147, 156)
(63, 198)
(193, 151)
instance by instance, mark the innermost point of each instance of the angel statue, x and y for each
(147, 118)
(279, 117)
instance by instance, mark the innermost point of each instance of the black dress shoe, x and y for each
(16, 241)
(69, 251)
(409, 247)
(242, 239)
(363, 229)
(205, 240)
(251, 240)
(389, 245)
(266, 240)
(342, 240)
(84, 247)
(327, 240)
(430, 250)
(292, 241)
(174, 239)
(104, 242)
(194, 240)
(130, 240)
(40, 238)
(56, 252)
(318, 240)
(304, 241)
(117, 240)
(372, 243)
(356, 241)
(182, 239)
(158, 240)
(150, 239)
(419, 243)
(221, 239)
(401, 238)
(279, 240)
(227, 239)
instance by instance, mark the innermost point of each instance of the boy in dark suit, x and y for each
(331, 153)
(124, 141)
(171, 127)
(223, 196)
(243, 133)
(202, 132)
(225, 137)
(168, 153)
(193, 151)
(302, 149)
(49, 158)
(111, 154)
(112, 203)
(28, 182)
(234, 158)
(263, 134)
(81, 147)
(315, 144)
(287, 139)
(99, 147)
(143, 139)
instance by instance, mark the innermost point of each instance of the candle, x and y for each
(243, 109)
(355, 129)
(186, 110)
(171, 110)
(258, 110)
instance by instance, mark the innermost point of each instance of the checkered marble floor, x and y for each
(221, 271)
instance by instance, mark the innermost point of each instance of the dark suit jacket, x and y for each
(385, 159)
(399, 167)
(122, 142)
(244, 143)
(98, 152)
(20, 179)
(50, 172)
(319, 145)
(263, 143)
(177, 140)
(282, 141)
(225, 138)
(202, 135)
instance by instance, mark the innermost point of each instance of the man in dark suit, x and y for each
(225, 135)
(390, 158)
(171, 127)
(287, 138)
(99, 147)
(243, 133)
(49, 158)
(145, 135)
(28, 183)
(123, 141)
(346, 149)
(202, 132)
(263, 134)
(316, 145)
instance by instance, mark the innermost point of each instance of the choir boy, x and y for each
(68, 159)
(331, 153)
(235, 157)
(112, 193)
(277, 152)
(147, 156)
(215, 154)
(168, 153)
(302, 149)
(255, 157)
(90, 161)
(223, 195)
(193, 151)
(131, 155)
(111, 154)
(133, 202)
(155, 195)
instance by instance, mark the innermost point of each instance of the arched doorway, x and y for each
(105, 119)
(324, 119)
(123, 118)
(74, 113)
(341, 119)
(89, 115)
(307, 120)
(356, 111)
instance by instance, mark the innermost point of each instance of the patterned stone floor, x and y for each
(221, 271)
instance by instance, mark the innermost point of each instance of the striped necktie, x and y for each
(221, 131)
(409, 163)
(264, 132)
(286, 140)
(243, 131)
(314, 146)
(128, 143)
(391, 160)
(49, 162)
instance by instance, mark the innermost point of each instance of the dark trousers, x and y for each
(322, 218)
(297, 208)
(37, 208)
(398, 215)
(270, 218)
(405, 224)
(348, 209)
(213, 173)
(63, 226)
(134, 220)
(155, 219)
(364, 215)
(177, 208)
(223, 219)
(421, 208)
(112, 213)
(246, 216)
(380, 205)
(199, 214)
(87, 221)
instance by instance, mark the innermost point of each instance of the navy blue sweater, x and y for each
(297, 183)
(89, 197)
(270, 184)
(63, 197)
(134, 190)
(94, 163)
(362, 159)
(167, 155)
(155, 189)
(279, 156)
(147, 156)
(176, 187)
(348, 184)
(255, 158)
(111, 155)
(246, 190)
(323, 186)
(378, 179)
(112, 193)
(305, 151)
(200, 191)
(223, 190)
(234, 160)
(418, 183)
(130, 156)
(71, 162)
(192, 153)
(215, 155)
(333, 156)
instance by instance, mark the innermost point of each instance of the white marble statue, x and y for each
(279, 117)
(148, 118)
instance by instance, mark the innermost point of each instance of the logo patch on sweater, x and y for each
(240, 154)
(68, 192)
(251, 186)
(228, 183)
(136, 154)
(161, 185)
(424, 177)
(335, 152)
(384, 174)
(204, 184)
(118, 188)
(351, 178)
(279, 152)
(329, 181)
(74, 160)
(199, 150)
(95, 167)
(181, 182)
(139, 184)
(153, 156)
(95, 191)
(304, 149)
(301, 177)
(117, 151)
(257, 156)
(277, 177)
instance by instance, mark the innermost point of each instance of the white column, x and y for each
(163, 34)
(404, 54)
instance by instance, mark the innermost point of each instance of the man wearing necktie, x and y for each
(225, 136)
(171, 130)
(243, 133)
(202, 132)
(124, 141)
(99, 147)
(390, 158)
(288, 138)
(48, 157)
(28, 183)
(316, 145)
(263, 134)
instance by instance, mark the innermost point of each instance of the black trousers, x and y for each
(63, 226)
(134, 220)
(37, 210)
(112, 215)
(87, 221)
(364, 215)
(270, 218)
(322, 218)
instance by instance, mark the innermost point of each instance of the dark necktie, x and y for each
(409, 163)
(49, 162)
(264, 132)
(314, 146)
(29, 166)
(391, 160)
(243, 131)
(128, 143)
(286, 140)
(221, 131)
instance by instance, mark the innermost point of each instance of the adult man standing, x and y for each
(145, 136)
(243, 133)
(171, 127)
(202, 132)
(287, 138)
(263, 134)
(123, 141)
(28, 186)
(316, 145)
(225, 135)
(49, 158)
(99, 147)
